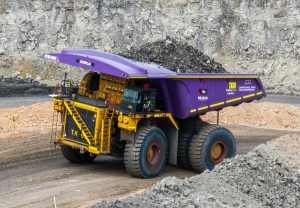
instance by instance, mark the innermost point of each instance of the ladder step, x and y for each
(77, 116)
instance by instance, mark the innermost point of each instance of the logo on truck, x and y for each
(202, 95)
(231, 90)
(232, 85)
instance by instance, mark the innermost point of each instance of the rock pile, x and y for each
(268, 176)
(14, 86)
(175, 56)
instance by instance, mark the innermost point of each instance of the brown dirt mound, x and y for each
(270, 115)
(18, 119)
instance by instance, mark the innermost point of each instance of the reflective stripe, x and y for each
(202, 108)
(233, 100)
(217, 104)
(247, 96)
(139, 77)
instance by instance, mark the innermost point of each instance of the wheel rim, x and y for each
(153, 154)
(218, 151)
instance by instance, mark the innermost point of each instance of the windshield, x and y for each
(131, 96)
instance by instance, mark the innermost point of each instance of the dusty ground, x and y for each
(29, 178)
(33, 118)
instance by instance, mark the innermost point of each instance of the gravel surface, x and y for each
(175, 56)
(268, 176)
(30, 179)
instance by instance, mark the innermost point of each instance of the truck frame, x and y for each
(145, 113)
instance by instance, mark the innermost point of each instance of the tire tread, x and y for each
(189, 128)
(133, 151)
(196, 145)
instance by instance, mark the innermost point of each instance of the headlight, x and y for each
(120, 118)
(125, 119)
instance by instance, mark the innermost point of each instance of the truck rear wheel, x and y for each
(146, 157)
(210, 147)
(74, 155)
(188, 128)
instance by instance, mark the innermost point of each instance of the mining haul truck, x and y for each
(144, 113)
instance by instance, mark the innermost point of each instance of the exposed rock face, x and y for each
(260, 36)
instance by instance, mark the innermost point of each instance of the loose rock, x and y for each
(175, 56)
(268, 176)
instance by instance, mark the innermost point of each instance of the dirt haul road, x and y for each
(29, 178)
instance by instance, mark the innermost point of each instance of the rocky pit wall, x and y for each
(245, 36)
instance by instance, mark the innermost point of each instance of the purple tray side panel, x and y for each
(191, 97)
(179, 97)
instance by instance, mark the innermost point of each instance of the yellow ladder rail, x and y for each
(106, 130)
(79, 122)
(53, 132)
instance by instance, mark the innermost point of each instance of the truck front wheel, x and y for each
(146, 157)
(74, 155)
(210, 147)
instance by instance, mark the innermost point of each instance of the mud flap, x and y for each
(172, 135)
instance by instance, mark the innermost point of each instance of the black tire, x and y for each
(136, 154)
(74, 156)
(188, 128)
(201, 151)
